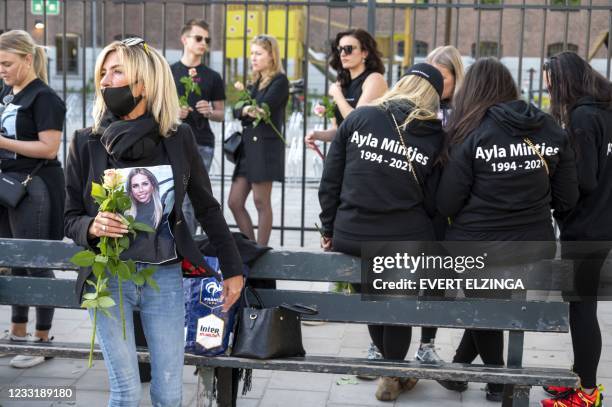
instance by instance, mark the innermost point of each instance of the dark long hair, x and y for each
(373, 62)
(486, 83)
(571, 78)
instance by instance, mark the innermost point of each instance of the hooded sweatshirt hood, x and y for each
(517, 117)
(419, 128)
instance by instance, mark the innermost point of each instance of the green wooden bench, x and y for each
(514, 316)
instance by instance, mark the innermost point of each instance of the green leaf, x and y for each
(90, 296)
(123, 203)
(148, 272)
(106, 302)
(123, 270)
(185, 80)
(153, 284)
(240, 104)
(106, 205)
(142, 227)
(138, 279)
(131, 265)
(124, 242)
(98, 270)
(101, 259)
(91, 283)
(89, 304)
(83, 258)
(98, 191)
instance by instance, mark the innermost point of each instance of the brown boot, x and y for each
(389, 388)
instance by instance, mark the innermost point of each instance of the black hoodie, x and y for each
(495, 182)
(591, 131)
(367, 191)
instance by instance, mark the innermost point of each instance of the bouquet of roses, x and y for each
(111, 197)
(262, 112)
(325, 109)
(190, 87)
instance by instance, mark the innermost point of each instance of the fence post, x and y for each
(372, 17)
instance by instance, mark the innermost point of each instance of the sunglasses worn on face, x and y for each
(199, 38)
(348, 49)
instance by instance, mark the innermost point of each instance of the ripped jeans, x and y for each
(163, 317)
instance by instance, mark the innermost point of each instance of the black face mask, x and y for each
(120, 101)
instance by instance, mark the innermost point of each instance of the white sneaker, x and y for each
(427, 354)
(25, 361)
(8, 336)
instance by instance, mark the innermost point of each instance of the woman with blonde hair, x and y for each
(262, 160)
(380, 189)
(136, 125)
(31, 119)
(448, 61)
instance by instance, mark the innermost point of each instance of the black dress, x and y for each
(352, 93)
(263, 152)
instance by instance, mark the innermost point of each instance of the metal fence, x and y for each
(521, 33)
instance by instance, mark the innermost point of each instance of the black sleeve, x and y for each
(218, 88)
(277, 93)
(456, 181)
(564, 181)
(331, 180)
(48, 112)
(430, 188)
(208, 211)
(76, 219)
(587, 133)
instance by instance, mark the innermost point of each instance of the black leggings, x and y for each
(584, 326)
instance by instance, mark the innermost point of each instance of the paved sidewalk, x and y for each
(295, 389)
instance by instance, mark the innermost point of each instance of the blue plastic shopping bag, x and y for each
(208, 330)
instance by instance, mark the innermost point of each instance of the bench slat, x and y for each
(330, 364)
(498, 314)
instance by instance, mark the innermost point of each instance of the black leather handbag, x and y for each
(266, 333)
(232, 146)
(12, 191)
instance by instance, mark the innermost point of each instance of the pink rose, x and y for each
(193, 72)
(319, 110)
(239, 86)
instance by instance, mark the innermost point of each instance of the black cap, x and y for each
(430, 73)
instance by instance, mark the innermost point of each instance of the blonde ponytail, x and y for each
(40, 63)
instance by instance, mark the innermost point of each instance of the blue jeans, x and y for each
(207, 154)
(163, 317)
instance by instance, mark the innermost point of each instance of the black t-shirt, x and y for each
(212, 89)
(352, 93)
(34, 109)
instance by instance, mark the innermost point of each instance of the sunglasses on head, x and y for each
(348, 49)
(131, 42)
(199, 38)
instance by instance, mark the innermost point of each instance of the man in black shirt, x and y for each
(209, 105)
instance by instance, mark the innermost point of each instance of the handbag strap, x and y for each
(537, 151)
(300, 308)
(245, 297)
(410, 166)
(33, 173)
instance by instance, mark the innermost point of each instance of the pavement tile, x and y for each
(93, 380)
(360, 394)
(58, 368)
(285, 398)
(91, 398)
(300, 381)
(321, 346)
(326, 331)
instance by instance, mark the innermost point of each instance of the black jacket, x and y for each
(495, 182)
(367, 191)
(87, 161)
(264, 151)
(591, 131)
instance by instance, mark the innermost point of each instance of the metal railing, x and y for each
(521, 33)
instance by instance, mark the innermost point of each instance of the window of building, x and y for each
(421, 48)
(557, 47)
(72, 54)
(487, 49)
